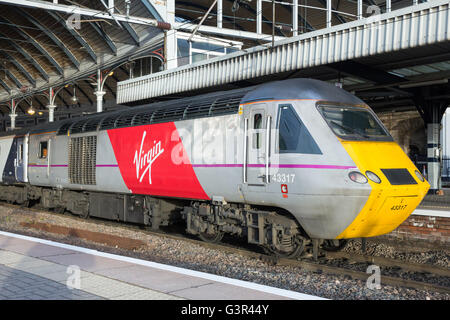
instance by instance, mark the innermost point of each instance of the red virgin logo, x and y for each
(143, 160)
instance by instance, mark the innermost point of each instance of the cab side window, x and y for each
(43, 149)
(294, 137)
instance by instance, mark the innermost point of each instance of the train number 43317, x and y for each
(284, 177)
(398, 207)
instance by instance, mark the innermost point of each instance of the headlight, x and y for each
(357, 177)
(372, 176)
(419, 176)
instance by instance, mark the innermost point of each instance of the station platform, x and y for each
(37, 269)
(435, 205)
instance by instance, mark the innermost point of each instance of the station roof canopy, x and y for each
(39, 49)
(42, 47)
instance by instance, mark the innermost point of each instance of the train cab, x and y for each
(324, 156)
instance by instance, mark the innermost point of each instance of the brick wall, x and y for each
(434, 229)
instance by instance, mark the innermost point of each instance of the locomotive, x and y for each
(285, 164)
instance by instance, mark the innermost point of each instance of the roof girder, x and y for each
(76, 35)
(27, 56)
(20, 68)
(51, 35)
(36, 44)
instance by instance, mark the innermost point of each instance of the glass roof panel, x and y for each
(406, 72)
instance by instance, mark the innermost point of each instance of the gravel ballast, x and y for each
(186, 254)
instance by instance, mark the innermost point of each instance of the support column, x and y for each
(51, 112)
(388, 6)
(433, 157)
(99, 95)
(295, 17)
(435, 112)
(360, 9)
(432, 110)
(329, 8)
(219, 14)
(258, 16)
(434, 148)
(445, 140)
(13, 120)
(171, 38)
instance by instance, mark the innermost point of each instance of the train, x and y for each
(287, 165)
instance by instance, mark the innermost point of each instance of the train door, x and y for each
(39, 161)
(21, 162)
(258, 122)
(9, 175)
(18, 162)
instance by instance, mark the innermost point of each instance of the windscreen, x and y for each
(354, 123)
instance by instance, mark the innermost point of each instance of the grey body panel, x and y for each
(54, 170)
(205, 140)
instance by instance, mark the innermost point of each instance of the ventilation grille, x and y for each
(108, 122)
(82, 160)
(225, 106)
(177, 110)
(64, 128)
(77, 127)
(143, 118)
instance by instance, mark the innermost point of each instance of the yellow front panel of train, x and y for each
(388, 205)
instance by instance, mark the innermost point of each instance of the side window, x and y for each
(294, 137)
(257, 125)
(43, 149)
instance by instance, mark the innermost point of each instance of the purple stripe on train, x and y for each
(296, 166)
(65, 165)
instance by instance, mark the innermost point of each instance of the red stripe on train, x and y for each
(153, 161)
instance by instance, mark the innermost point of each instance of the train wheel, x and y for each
(26, 204)
(334, 245)
(289, 250)
(212, 238)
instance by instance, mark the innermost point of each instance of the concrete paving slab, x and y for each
(164, 281)
(26, 264)
(36, 250)
(7, 257)
(6, 241)
(147, 295)
(87, 262)
(221, 291)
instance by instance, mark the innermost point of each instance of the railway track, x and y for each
(400, 273)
